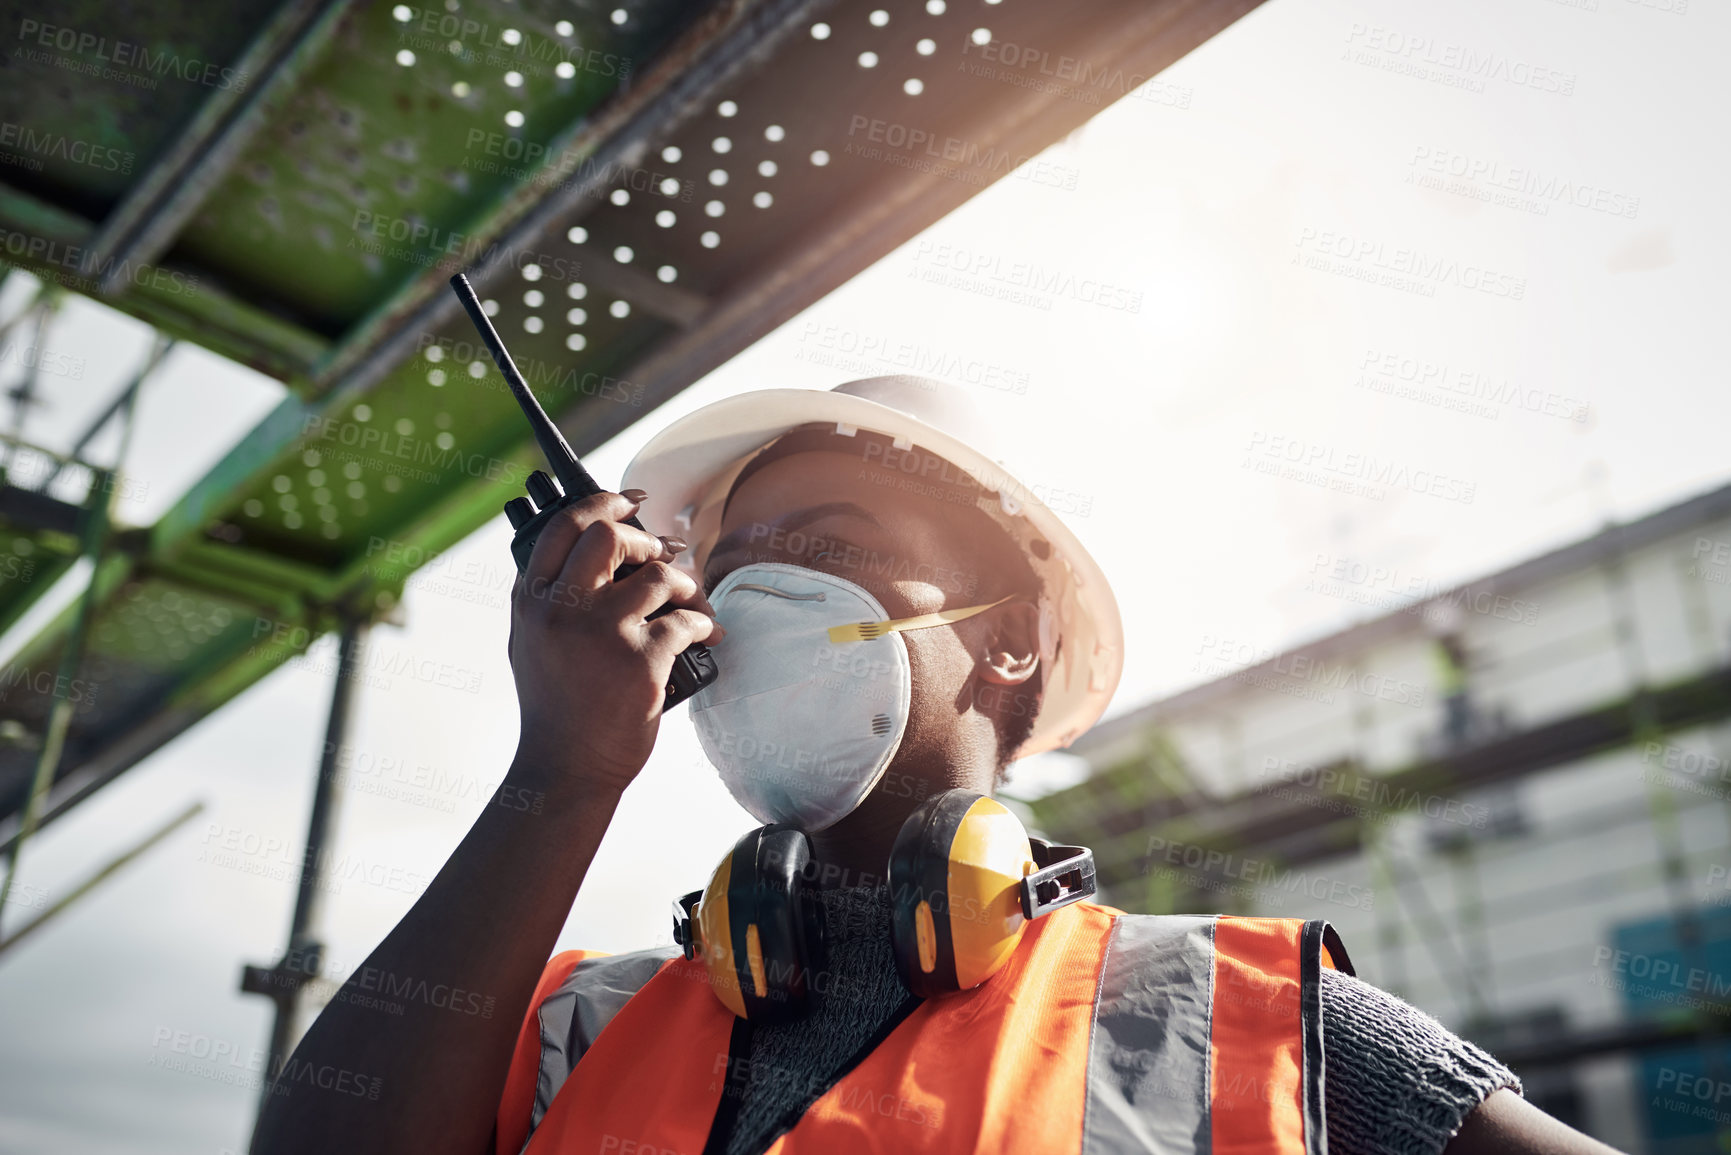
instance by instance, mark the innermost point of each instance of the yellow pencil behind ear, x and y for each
(870, 631)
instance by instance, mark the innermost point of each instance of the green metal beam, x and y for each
(143, 226)
(52, 243)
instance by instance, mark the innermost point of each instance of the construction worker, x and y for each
(890, 963)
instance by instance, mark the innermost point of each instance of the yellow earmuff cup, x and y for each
(989, 857)
(955, 876)
(715, 937)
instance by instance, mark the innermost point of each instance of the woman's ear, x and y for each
(1012, 650)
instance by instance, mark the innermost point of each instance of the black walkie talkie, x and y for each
(695, 667)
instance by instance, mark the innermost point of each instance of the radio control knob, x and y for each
(543, 489)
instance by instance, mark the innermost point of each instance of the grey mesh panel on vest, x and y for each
(1148, 1059)
(572, 1016)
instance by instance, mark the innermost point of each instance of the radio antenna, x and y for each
(572, 476)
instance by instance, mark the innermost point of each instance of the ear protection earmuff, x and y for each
(964, 877)
(759, 932)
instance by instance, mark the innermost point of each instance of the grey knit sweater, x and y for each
(1397, 1081)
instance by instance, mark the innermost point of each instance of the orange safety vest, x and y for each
(1105, 1032)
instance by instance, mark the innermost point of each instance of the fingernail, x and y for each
(718, 632)
(675, 543)
(634, 496)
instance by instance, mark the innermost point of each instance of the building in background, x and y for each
(1512, 798)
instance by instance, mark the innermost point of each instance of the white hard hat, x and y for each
(689, 468)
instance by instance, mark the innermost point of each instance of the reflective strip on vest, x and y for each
(1105, 1033)
(1148, 1060)
(572, 1017)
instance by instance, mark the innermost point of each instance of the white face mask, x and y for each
(801, 727)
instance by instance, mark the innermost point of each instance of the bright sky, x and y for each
(1299, 137)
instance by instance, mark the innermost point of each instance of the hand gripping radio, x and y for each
(695, 667)
(964, 879)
